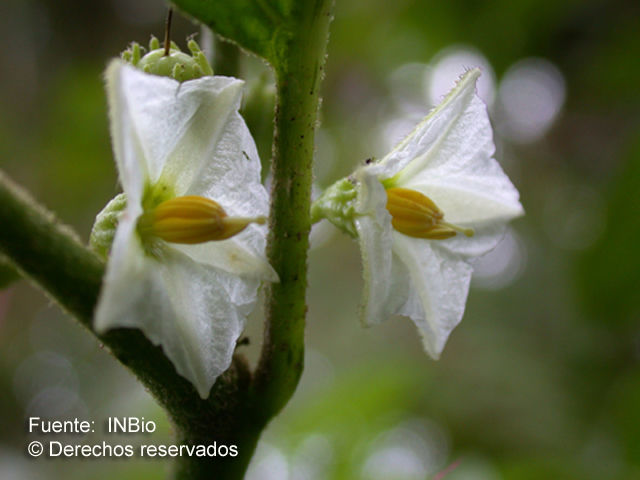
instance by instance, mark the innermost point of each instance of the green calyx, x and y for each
(175, 63)
(337, 204)
(152, 196)
(106, 223)
(104, 228)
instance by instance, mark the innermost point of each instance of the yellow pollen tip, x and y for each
(416, 215)
(192, 219)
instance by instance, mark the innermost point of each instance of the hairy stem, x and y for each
(48, 253)
(298, 77)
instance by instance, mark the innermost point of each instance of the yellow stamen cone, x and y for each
(416, 215)
(192, 219)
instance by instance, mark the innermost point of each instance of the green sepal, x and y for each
(104, 228)
(337, 204)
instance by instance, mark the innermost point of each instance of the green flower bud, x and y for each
(176, 64)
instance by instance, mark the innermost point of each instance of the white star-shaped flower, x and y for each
(425, 210)
(191, 174)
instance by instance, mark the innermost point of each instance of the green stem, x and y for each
(298, 76)
(48, 253)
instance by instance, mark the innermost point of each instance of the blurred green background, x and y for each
(542, 378)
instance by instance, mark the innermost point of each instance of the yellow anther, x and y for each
(416, 215)
(192, 219)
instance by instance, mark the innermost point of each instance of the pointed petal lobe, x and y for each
(438, 293)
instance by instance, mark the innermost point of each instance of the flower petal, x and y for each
(195, 312)
(127, 262)
(449, 158)
(237, 255)
(439, 284)
(373, 224)
(127, 144)
(453, 128)
(485, 238)
(468, 196)
(233, 180)
(231, 174)
(213, 134)
(210, 308)
(175, 126)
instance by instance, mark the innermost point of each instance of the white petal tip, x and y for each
(519, 211)
(467, 80)
(99, 328)
(203, 392)
(433, 346)
(432, 351)
(471, 75)
(260, 269)
(271, 275)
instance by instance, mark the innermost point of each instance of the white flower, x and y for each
(450, 198)
(191, 173)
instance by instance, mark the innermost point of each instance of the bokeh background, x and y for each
(542, 378)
